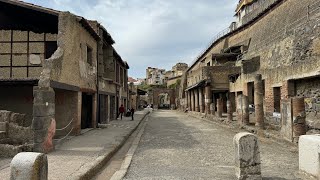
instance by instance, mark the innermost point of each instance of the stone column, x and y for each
(229, 111)
(108, 108)
(192, 100)
(201, 107)
(43, 123)
(219, 107)
(242, 109)
(208, 100)
(196, 100)
(247, 156)
(212, 108)
(258, 101)
(77, 121)
(188, 100)
(94, 111)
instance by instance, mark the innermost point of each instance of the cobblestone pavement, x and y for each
(177, 146)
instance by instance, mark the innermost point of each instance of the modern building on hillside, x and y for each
(155, 76)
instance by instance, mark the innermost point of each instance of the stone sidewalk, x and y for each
(80, 157)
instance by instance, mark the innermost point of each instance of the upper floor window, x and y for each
(89, 55)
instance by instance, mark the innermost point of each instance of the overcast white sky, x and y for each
(157, 33)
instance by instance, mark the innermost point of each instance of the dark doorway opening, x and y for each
(103, 109)
(86, 111)
(250, 87)
(276, 98)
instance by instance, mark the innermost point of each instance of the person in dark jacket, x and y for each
(132, 112)
(121, 111)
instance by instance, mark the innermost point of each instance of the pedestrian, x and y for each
(121, 111)
(132, 112)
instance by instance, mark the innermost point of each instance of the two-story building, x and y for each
(88, 76)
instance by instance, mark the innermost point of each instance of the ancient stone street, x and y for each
(177, 146)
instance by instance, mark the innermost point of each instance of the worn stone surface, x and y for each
(247, 156)
(309, 154)
(177, 146)
(29, 166)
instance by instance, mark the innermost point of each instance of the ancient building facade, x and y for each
(277, 40)
(58, 69)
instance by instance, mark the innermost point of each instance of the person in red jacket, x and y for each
(121, 111)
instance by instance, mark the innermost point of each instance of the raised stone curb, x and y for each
(90, 170)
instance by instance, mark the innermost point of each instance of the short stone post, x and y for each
(258, 101)
(247, 156)
(229, 111)
(242, 110)
(29, 166)
(219, 107)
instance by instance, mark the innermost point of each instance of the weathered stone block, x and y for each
(20, 134)
(309, 149)
(3, 126)
(29, 166)
(17, 118)
(42, 110)
(40, 123)
(247, 156)
(5, 115)
(42, 96)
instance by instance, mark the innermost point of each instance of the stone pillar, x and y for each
(108, 108)
(201, 106)
(192, 100)
(219, 107)
(94, 110)
(212, 108)
(247, 156)
(229, 111)
(43, 123)
(196, 100)
(208, 100)
(29, 166)
(242, 109)
(77, 121)
(299, 118)
(258, 101)
(188, 100)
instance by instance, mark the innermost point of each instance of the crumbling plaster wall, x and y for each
(72, 67)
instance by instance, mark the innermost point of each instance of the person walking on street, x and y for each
(132, 112)
(121, 111)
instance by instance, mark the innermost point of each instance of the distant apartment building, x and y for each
(155, 76)
(172, 76)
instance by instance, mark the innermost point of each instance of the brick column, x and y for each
(188, 100)
(208, 100)
(201, 106)
(242, 109)
(94, 110)
(77, 121)
(258, 101)
(43, 123)
(196, 101)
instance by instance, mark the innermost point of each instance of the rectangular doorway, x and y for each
(86, 111)
(276, 98)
